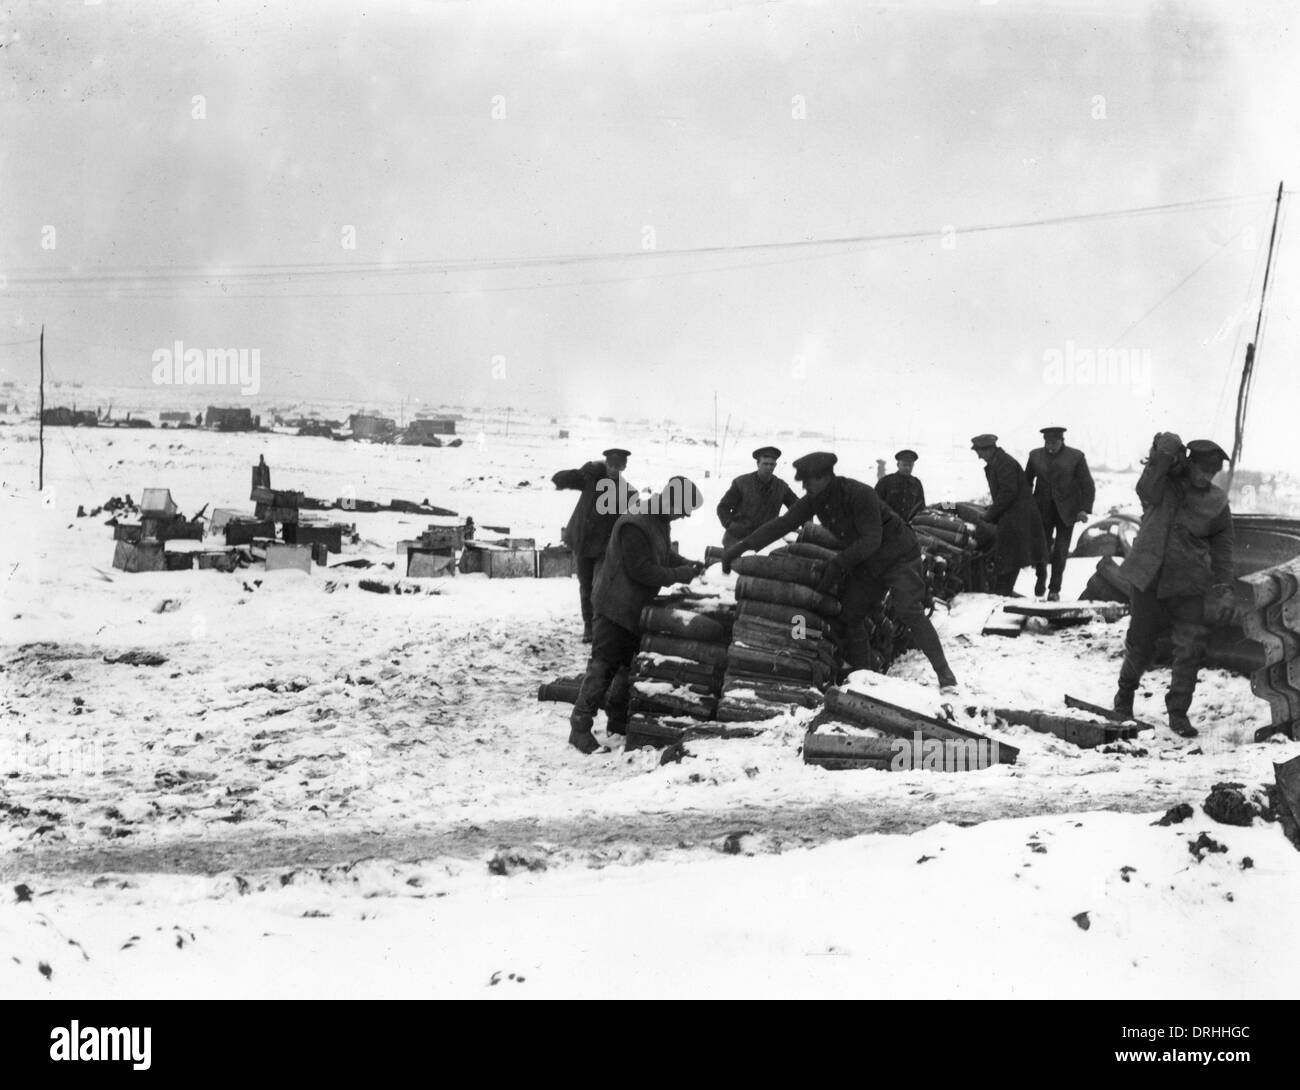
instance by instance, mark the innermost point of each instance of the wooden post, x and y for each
(1252, 350)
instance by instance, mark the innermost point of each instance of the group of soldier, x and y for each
(1179, 569)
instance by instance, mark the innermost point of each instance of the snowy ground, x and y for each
(324, 791)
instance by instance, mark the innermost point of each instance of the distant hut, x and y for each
(373, 429)
(427, 432)
(69, 418)
(240, 419)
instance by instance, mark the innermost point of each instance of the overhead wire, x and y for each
(125, 277)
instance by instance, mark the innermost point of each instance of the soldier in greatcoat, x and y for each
(1019, 539)
(1064, 492)
(605, 496)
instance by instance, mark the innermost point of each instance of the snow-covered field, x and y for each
(329, 792)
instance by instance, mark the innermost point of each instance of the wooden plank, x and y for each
(1001, 623)
(1069, 611)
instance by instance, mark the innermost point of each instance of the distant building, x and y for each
(175, 419)
(374, 429)
(240, 419)
(425, 432)
(69, 418)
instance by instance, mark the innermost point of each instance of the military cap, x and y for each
(766, 452)
(1206, 449)
(1053, 430)
(616, 452)
(679, 496)
(980, 442)
(817, 464)
(906, 456)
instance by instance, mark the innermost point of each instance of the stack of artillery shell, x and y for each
(1271, 618)
(948, 551)
(781, 653)
(680, 665)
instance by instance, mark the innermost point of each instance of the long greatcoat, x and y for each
(1020, 540)
(1061, 480)
(602, 501)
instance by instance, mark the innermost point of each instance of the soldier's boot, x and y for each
(616, 702)
(580, 736)
(1058, 576)
(926, 640)
(1040, 580)
(1178, 700)
(591, 695)
(1130, 675)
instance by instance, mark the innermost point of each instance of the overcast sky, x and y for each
(449, 140)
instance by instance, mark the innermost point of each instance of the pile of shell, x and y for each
(679, 668)
(951, 543)
(782, 652)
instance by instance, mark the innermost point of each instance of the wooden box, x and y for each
(157, 502)
(218, 560)
(556, 562)
(139, 556)
(243, 533)
(510, 563)
(280, 557)
(430, 563)
(306, 533)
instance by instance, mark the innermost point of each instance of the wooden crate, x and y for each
(131, 556)
(305, 533)
(556, 562)
(276, 514)
(243, 533)
(443, 537)
(430, 563)
(160, 529)
(510, 563)
(281, 557)
(218, 560)
(157, 502)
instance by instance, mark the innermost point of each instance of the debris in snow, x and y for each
(137, 658)
(1227, 804)
(731, 843)
(1175, 814)
(23, 892)
(926, 858)
(1246, 862)
(673, 754)
(506, 863)
(1125, 871)
(45, 970)
(1205, 843)
(1082, 920)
